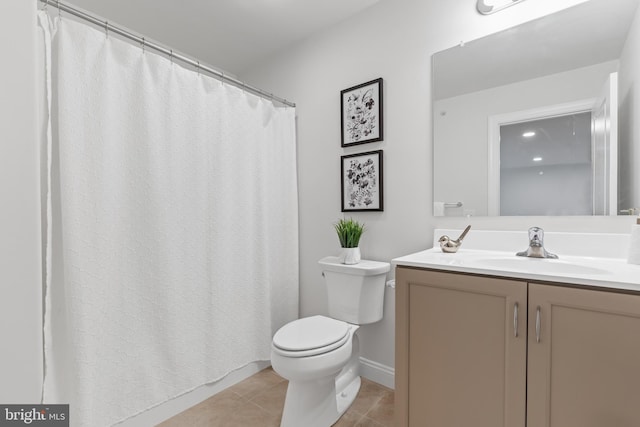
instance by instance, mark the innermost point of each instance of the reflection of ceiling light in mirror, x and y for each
(537, 159)
(540, 173)
(529, 134)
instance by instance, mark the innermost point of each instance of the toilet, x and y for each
(319, 355)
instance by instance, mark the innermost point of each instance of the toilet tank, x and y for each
(356, 292)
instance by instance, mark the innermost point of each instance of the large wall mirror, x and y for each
(540, 119)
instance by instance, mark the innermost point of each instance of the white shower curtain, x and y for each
(173, 243)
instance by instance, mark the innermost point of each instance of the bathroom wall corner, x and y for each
(20, 250)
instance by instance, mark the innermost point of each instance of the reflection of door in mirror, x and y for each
(605, 149)
(556, 160)
(545, 166)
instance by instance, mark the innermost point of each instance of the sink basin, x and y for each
(539, 265)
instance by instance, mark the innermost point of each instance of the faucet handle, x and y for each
(536, 236)
(536, 245)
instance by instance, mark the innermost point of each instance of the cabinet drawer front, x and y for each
(466, 361)
(584, 367)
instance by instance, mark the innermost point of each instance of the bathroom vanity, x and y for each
(484, 338)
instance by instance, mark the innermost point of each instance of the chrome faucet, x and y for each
(536, 245)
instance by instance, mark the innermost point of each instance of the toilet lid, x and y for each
(309, 333)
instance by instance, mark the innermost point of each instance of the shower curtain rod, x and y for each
(169, 52)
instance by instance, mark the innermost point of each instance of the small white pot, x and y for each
(350, 256)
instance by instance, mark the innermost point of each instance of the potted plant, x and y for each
(349, 233)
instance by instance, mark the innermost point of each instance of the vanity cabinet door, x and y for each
(459, 359)
(584, 358)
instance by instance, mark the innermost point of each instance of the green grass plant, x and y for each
(349, 232)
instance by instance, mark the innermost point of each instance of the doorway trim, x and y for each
(497, 120)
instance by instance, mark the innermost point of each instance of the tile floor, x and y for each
(258, 401)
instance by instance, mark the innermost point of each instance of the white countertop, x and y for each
(613, 273)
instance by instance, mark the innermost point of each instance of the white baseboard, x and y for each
(173, 407)
(377, 372)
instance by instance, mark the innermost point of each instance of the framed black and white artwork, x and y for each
(361, 188)
(361, 109)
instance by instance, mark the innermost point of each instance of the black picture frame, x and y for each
(361, 120)
(361, 186)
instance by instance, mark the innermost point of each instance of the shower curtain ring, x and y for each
(46, 5)
(143, 45)
(222, 78)
(59, 11)
(106, 28)
(171, 55)
(198, 68)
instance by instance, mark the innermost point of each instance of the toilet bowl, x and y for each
(319, 355)
(323, 378)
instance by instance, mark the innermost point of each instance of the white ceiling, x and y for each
(230, 35)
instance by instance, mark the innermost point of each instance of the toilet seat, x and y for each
(310, 336)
